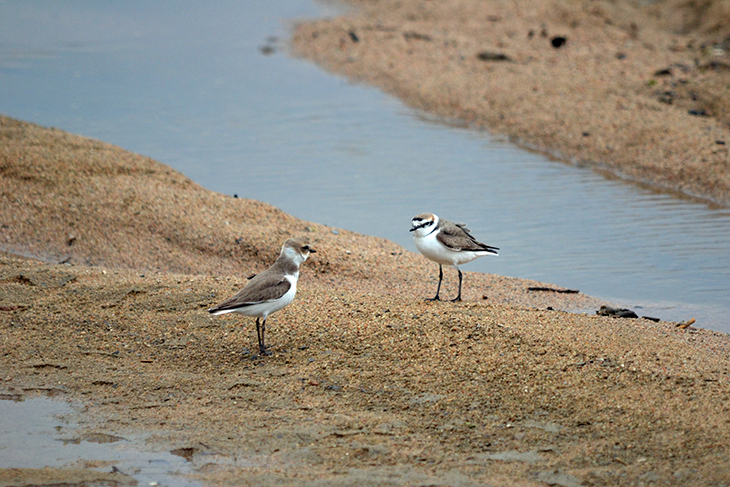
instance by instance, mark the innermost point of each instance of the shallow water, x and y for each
(190, 85)
(40, 432)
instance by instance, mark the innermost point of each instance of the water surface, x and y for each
(40, 432)
(189, 84)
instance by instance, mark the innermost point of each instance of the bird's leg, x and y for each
(458, 298)
(258, 331)
(438, 289)
(262, 347)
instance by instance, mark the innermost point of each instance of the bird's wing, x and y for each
(457, 237)
(263, 287)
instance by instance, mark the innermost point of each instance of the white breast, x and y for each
(267, 307)
(438, 252)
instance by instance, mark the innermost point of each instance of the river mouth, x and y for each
(211, 92)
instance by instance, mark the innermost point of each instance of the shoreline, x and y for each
(367, 383)
(626, 92)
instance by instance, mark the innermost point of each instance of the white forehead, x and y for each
(424, 217)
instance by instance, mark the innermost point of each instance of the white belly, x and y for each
(267, 307)
(437, 252)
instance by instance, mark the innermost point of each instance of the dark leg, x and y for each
(458, 298)
(438, 289)
(260, 333)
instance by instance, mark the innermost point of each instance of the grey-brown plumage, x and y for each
(270, 284)
(271, 290)
(446, 243)
(457, 237)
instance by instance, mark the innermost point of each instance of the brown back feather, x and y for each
(263, 287)
(457, 236)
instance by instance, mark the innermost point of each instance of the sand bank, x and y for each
(641, 89)
(367, 385)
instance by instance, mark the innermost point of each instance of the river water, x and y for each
(209, 89)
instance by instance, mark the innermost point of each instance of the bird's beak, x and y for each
(412, 229)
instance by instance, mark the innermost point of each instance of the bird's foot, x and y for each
(435, 298)
(263, 352)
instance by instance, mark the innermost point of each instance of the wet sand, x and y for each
(367, 384)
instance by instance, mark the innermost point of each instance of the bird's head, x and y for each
(423, 224)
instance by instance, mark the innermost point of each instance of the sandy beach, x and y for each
(111, 260)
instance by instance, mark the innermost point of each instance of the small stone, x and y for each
(617, 312)
(493, 56)
(558, 41)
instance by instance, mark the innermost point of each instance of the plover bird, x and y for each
(271, 290)
(446, 243)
